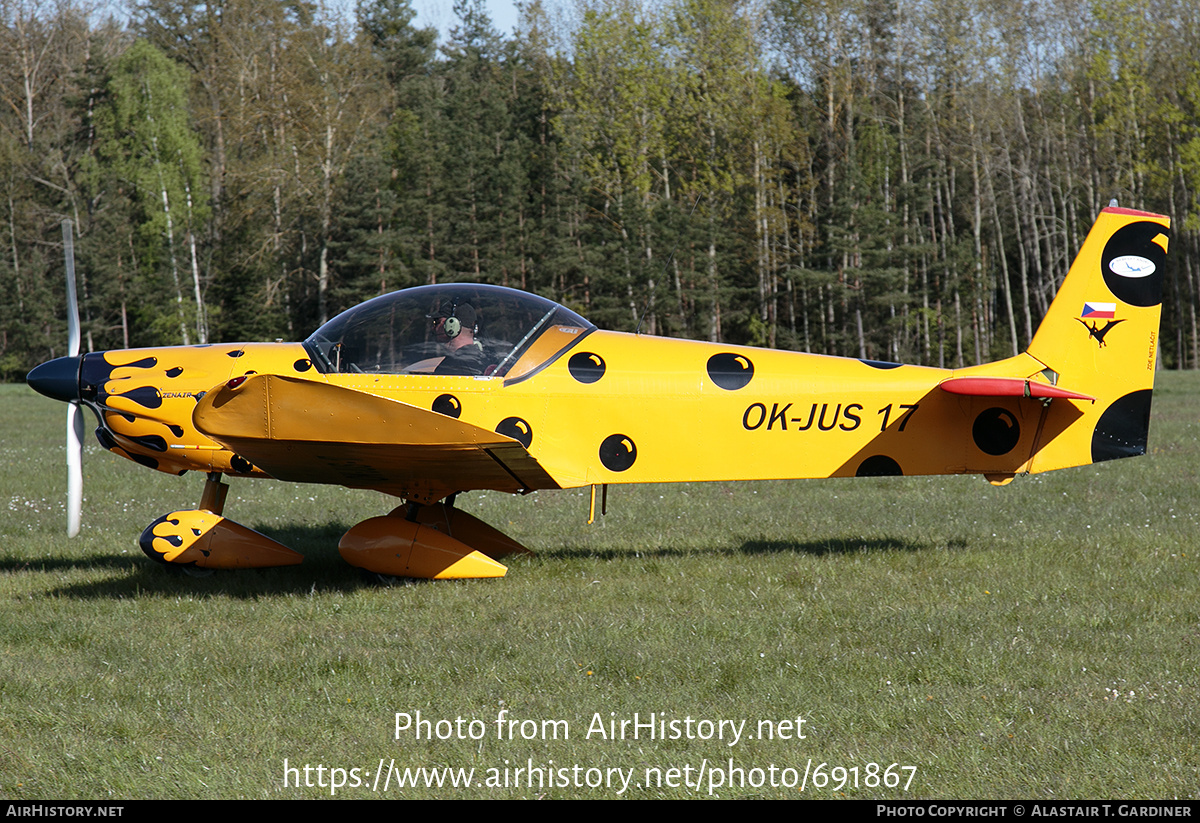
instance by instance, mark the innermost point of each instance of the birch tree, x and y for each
(146, 136)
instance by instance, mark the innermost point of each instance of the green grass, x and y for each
(1038, 640)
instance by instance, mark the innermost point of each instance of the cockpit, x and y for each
(452, 329)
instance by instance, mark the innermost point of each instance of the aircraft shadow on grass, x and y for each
(334, 576)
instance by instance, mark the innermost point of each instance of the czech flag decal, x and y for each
(1099, 311)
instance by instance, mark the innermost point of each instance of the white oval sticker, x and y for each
(1131, 265)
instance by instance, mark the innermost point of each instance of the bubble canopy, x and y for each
(510, 333)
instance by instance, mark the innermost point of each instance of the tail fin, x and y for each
(1100, 339)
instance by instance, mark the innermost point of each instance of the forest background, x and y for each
(901, 180)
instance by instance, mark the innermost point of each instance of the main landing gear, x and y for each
(434, 541)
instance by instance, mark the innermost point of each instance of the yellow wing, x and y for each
(313, 432)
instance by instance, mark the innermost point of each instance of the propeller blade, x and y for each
(74, 467)
(72, 303)
(74, 410)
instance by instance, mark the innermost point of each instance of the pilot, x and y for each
(455, 329)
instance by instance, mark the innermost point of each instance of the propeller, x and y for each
(74, 409)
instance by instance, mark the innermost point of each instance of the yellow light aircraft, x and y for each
(436, 390)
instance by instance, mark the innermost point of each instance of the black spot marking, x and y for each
(302, 364)
(448, 405)
(175, 372)
(144, 363)
(618, 452)
(881, 364)
(1123, 428)
(1136, 241)
(996, 431)
(175, 430)
(586, 367)
(517, 429)
(145, 396)
(96, 372)
(240, 464)
(730, 371)
(235, 353)
(146, 541)
(151, 441)
(878, 465)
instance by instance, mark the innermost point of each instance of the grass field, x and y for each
(1034, 641)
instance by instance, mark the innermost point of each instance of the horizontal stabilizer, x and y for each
(1008, 387)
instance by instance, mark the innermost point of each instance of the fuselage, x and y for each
(593, 407)
(604, 407)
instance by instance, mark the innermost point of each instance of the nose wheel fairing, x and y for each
(204, 540)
